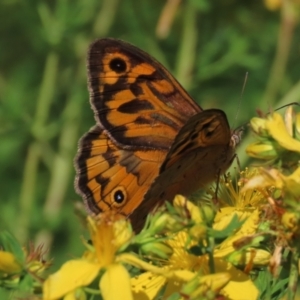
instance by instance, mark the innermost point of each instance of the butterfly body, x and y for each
(151, 140)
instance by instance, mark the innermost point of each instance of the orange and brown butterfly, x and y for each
(151, 140)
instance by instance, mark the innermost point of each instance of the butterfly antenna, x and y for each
(241, 97)
(286, 105)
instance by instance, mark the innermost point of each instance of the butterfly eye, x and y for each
(118, 65)
(118, 196)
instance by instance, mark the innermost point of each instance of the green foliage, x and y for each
(44, 105)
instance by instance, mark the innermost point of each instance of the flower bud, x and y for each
(8, 263)
(199, 286)
(258, 125)
(160, 223)
(291, 221)
(263, 151)
(158, 249)
(257, 257)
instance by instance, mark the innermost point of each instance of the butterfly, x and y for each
(151, 140)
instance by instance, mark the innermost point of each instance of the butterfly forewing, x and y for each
(135, 99)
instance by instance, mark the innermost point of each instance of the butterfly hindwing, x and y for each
(110, 178)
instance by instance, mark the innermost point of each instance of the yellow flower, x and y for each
(278, 137)
(234, 198)
(77, 273)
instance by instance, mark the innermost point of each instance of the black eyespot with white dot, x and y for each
(118, 196)
(118, 65)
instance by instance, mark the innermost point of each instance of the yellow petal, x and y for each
(115, 283)
(278, 131)
(73, 274)
(225, 215)
(122, 232)
(8, 263)
(102, 235)
(147, 285)
(238, 289)
(240, 285)
(198, 232)
(248, 228)
(184, 275)
(292, 183)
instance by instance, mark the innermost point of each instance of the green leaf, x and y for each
(234, 225)
(10, 244)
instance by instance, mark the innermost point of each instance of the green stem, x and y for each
(211, 246)
(287, 26)
(27, 195)
(106, 17)
(294, 275)
(46, 93)
(62, 163)
(187, 51)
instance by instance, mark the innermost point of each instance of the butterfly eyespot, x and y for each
(118, 196)
(118, 65)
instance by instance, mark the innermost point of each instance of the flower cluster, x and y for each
(183, 261)
(246, 248)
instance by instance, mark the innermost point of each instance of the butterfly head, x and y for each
(236, 136)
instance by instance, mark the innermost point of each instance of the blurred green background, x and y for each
(208, 45)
